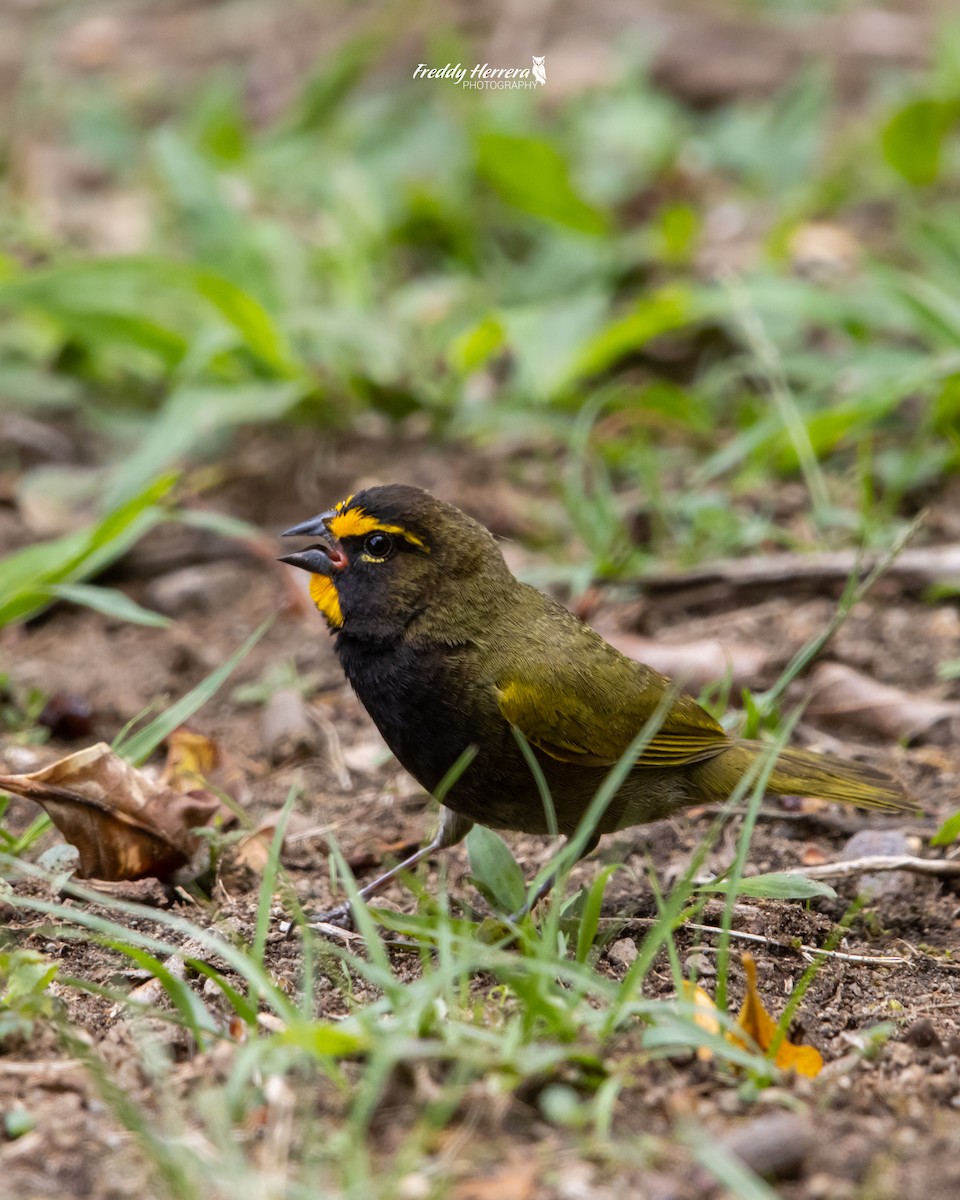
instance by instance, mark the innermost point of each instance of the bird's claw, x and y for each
(340, 917)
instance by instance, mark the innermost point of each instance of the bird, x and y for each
(452, 656)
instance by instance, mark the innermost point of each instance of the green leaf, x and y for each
(495, 870)
(777, 885)
(545, 340)
(111, 602)
(137, 747)
(323, 1039)
(533, 175)
(28, 576)
(159, 305)
(476, 345)
(190, 416)
(913, 139)
(590, 917)
(670, 308)
(219, 522)
(948, 832)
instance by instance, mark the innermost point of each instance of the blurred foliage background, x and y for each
(707, 277)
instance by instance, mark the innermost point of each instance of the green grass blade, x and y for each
(137, 747)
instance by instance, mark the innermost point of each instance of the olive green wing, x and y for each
(591, 719)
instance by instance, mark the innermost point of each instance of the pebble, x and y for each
(197, 588)
(923, 1034)
(285, 725)
(775, 1145)
(623, 951)
(867, 843)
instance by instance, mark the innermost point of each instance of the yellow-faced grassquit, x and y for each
(447, 650)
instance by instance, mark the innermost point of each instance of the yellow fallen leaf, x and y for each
(190, 759)
(704, 1014)
(754, 1020)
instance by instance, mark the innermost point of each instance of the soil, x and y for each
(873, 1124)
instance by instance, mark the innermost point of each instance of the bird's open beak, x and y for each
(324, 558)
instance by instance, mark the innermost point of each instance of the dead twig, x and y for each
(872, 960)
(915, 568)
(879, 862)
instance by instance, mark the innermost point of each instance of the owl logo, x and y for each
(539, 69)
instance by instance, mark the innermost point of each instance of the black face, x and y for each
(384, 586)
(387, 555)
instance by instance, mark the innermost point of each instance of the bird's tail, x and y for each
(803, 773)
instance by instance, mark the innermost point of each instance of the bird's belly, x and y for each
(430, 710)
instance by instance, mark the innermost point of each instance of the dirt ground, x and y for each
(881, 1126)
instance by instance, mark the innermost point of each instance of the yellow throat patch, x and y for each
(323, 592)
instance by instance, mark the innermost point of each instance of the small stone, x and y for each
(870, 843)
(623, 952)
(67, 716)
(774, 1146)
(198, 588)
(923, 1034)
(285, 725)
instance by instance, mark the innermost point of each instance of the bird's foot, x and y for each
(340, 918)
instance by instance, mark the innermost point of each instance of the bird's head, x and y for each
(388, 555)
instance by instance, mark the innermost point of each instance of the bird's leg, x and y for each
(549, 882)
(453, 828)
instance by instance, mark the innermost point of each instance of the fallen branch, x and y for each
(880, 862)
(918, 567)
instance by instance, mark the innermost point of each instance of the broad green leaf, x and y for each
(495, 869)
(324, 1039)
(159, 305)
(948, 832)
(777, 885)
(532, 175)
(219, 522)
(668, 309)
(31, 388)
(546, 339)
(474, 347)
(192, 414)
(913, 139)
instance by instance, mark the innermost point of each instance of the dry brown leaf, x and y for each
(514, 1180)
(124, 824)
(842, 694)
(699, 663)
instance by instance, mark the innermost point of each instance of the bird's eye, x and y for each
(377, 545)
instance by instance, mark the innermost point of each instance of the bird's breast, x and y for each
(425, 702)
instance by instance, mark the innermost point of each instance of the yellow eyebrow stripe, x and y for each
(355, 523)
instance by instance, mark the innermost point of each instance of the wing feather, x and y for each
(578, 720)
